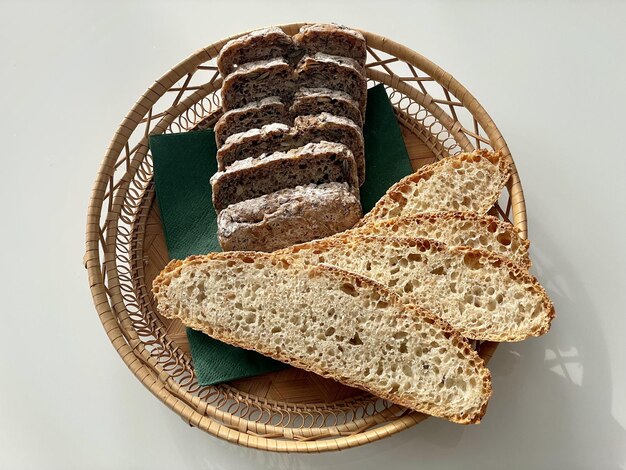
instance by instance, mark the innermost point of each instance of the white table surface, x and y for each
(551, 75)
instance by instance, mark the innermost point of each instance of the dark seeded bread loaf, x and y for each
(280, 138)
(289, 216)
(257, 80)
(314, 101)
(263, 44)
(332, 39)
(319, 163)
(252, 116)
(336, 73)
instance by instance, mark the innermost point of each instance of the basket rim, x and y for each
(146, 369)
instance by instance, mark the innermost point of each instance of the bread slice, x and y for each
(482, 295)
(466, 182)
(254, 143)
(319, 163)
(332, 39)
(280, 138)
(252, 116)
(330, 322)
(334, 72)
(326, 127)
(314, 101)
(456, 229)
(287, 217)
(254, 81)
(263, 44)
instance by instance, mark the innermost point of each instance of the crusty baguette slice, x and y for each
(252, 116)
(332, 39)
(262, 44)
(334, 72)
(455, 229)
(330, 322)
(314, 101)
(287, 217)
(254, 81)
(280, 138)
(466, 182)
(482, 295)
(324, 162)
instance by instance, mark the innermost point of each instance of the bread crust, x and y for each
(391, 226)
(395, 196)
(286, 217)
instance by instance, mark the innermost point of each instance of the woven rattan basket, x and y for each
(291, 410)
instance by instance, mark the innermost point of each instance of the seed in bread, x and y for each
(252, 116)
(324, 162)
(484, 296)
(332, 39)
(254, 81)
(314, 101)
(262, 44)
(334, 72)
(289, 216)
(466, 182)
(455, 229)
(330, 322)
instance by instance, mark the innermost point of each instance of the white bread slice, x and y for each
(484, 296)
(455, 229)
(289, 216)
(466, 182)
(330, 322)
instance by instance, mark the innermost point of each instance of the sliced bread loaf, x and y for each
(314, 101)
(254, 143)
(334, 72)
(332, 39)
(456, 229)
(466, 182)
(325, 162)
(330, 128)
(263, 44)
(330, 322)
(252, 116)
(254, 81)
(280, 138)
(287, 217)
(482, 295)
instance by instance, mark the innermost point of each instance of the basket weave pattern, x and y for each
(125, 250)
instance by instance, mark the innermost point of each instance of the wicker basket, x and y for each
(291, 410)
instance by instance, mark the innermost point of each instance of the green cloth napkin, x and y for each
(183, 164)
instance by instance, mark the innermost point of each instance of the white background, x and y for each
(551, 75)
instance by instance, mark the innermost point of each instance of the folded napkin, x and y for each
(183, 164)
